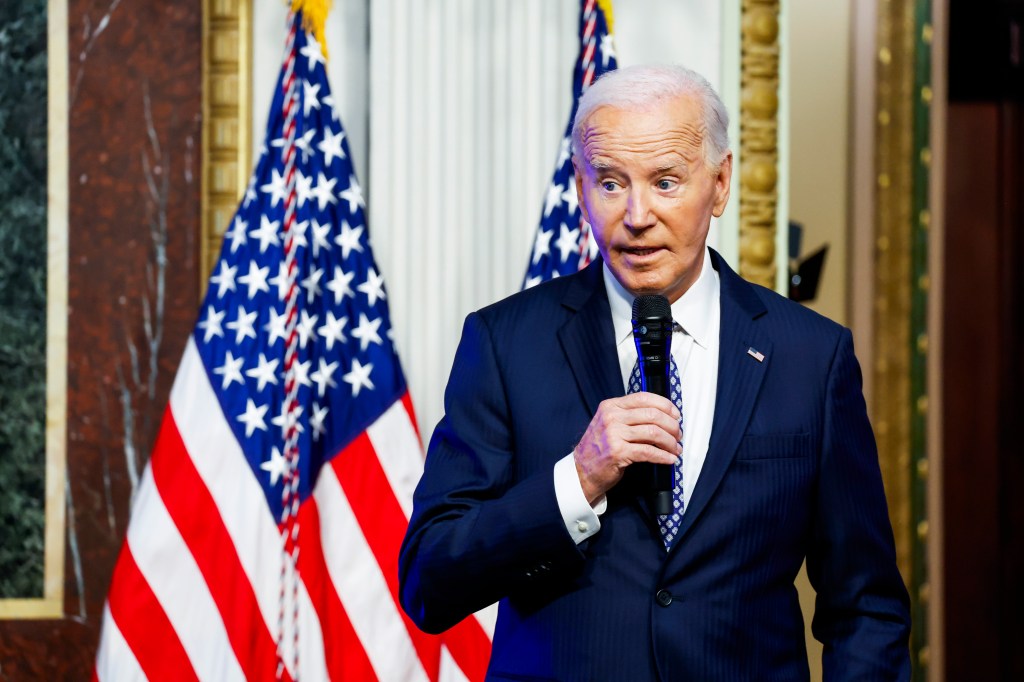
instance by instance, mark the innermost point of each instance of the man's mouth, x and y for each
(638, 251)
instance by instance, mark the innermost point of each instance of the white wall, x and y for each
(819, 96)
(455, 109)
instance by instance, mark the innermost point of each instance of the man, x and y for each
(775, 460)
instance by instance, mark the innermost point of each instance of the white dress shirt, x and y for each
(695, 350)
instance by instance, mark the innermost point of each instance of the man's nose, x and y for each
(638, 210)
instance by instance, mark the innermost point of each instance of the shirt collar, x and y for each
(693, 310)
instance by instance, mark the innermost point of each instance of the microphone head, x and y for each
(651, 306)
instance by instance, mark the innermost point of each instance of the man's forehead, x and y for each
(668, 134)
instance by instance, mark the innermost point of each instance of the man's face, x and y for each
(648, 195)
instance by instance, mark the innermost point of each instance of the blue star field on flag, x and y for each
(346, 368)
(563, 244)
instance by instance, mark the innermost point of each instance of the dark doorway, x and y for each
(983, 344)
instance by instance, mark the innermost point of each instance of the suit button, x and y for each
(663, 597)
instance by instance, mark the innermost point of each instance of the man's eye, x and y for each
(665, 184)
(609, 185)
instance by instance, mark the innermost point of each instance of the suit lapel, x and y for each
(588, 338)
(739, 380)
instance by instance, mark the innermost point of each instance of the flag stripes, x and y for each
(194, 511)
(362, 588)
(134, 604)
(377, 512)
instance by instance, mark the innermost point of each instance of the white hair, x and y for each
(638, 88)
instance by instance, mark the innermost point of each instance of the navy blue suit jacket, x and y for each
(791, 473)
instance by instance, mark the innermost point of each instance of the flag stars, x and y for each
(373, 287)
(267, 233)
(303, 187)
(568, 242)
(316, 421)
(310, 97)
(276, 188)
(564, 152)
(312, 284)
(339, 284)
(367, 332)
(256, 279)
(231, 371)
(331, 147)
(324, 191)
(323, 378)
(320, 241)
(297, 234)
(281, 281)
(359, 377)
(275, 327)
(349, 238)
(542, 246)
(333, 330)
(304, 143)
(607, 49)
(312, 52)
(288, 420)
(237, 233)
(264, 372)
(250, 194)
(305, 327)
(570, 197)
(329, 101)
(243, 325)
(224, 279)
(353, 194)
(211, 326)
(302, 372)
(275, 466)
(553, 199)
(253, 417)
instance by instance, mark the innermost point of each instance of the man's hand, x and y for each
(639, 427)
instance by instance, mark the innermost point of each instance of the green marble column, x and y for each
(23, 134)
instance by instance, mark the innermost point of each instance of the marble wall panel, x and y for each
(135, 105)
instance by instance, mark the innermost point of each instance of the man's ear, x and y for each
(723, 184)
(579, 188)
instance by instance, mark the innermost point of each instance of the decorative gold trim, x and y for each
(759, 139)
(892, 343)
(51, 604)
(227, 69)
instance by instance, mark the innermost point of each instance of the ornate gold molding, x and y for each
(759, 139)
(227, 54)
(902, 219)
(894, 177)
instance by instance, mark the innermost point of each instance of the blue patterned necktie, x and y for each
(669, 523)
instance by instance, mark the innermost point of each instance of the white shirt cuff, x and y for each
(581, 520)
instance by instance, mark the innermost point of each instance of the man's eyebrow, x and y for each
(666, 167)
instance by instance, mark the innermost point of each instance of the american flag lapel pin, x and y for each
(756, 354)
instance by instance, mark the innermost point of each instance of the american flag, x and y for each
(563, 243)
(264, 536)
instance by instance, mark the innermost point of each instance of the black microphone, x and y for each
(652, 333)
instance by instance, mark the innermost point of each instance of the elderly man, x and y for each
(526, 498)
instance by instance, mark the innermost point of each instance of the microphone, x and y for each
(652, 334)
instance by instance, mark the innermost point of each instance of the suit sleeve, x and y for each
(862, 609)
(480, 528)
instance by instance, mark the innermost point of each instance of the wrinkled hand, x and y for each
(639, 427)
